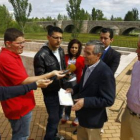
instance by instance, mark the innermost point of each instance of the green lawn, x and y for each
(122, 41)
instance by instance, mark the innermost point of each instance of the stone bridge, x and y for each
(119, 27)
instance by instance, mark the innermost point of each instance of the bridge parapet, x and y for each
(121, 27)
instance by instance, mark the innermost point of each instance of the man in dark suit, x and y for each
(110, 56)
(93, 94)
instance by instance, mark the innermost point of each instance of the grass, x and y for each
(121, 41)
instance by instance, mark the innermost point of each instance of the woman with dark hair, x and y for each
(74, 57)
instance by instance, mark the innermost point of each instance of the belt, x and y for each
(133, 113)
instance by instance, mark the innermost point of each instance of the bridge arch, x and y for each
(69, 28)
(95, 30)
(128, 30)
(119, 27)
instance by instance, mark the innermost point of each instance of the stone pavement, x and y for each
(111, 128)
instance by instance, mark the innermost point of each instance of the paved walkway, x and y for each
(39, 121)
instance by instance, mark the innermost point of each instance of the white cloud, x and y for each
(44, 8)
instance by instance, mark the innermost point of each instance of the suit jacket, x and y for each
(98, 93)
(112, 59)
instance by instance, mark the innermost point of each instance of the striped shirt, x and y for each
(89, 71)
(133, 95)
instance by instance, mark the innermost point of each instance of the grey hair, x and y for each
(98, 46)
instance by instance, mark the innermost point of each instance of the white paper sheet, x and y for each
(65, 98)
(72, 79)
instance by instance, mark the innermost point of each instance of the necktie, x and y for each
(102, 57)
(87, 73)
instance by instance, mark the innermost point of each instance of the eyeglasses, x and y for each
(20, 43)
(56, 37)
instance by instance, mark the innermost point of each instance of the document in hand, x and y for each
(65, 98)
(72, 79)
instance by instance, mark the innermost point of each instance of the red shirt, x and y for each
(12, 72)
(79, 66)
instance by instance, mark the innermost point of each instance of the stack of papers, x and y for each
(65, 98)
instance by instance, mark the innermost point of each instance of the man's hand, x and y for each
(43, 83)
(0, 49)
(58, 74)
(69, 90)
(78, 105)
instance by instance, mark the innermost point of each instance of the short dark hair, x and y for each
(54, 29)
(11, 34)
(107, 30)
(73, 41)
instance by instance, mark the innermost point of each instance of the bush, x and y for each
(14, 24)
(33, 28)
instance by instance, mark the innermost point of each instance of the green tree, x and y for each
(116, 18)
(65, 17)
(97, 14)
(112, 17)
(132, 15)
(36, 19)
(129, 16)
(74, 12)
(22, 10)
(100, 14)
(60, 17)
(49, 18)
(94, 14)
(85, 15)
(88, 16)
(5, 18)
(135, 14)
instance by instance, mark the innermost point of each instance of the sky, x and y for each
(45, 8)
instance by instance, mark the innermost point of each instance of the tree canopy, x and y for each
(74, 12)
(132, 15)
(22, 10)
(116, 18)
(5, 18)
(97, 14)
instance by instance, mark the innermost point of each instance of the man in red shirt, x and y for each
(12, 72)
